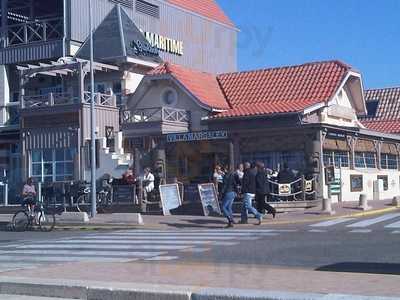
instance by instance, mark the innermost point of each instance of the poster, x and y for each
(170, 197)
(209, 199)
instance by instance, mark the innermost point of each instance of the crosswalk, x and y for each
(390, 221)
(123, 246)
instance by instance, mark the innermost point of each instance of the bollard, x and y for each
(396, 201)
(327, 207)
(363, 202)
(6, 194)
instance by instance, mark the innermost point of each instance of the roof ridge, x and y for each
(383, 89)
(336, 61)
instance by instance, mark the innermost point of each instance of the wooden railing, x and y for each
(156, 114)
(55, 99)
(35, 31)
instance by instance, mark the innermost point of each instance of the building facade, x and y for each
(43, 74)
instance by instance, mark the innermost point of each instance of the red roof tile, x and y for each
(383, 107)
(386, 126)
(281, 90)
(204, 86)
(206, 8)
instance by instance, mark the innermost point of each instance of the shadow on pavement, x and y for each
(363, 267)
(197, 223)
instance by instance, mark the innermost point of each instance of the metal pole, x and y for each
(92, 117)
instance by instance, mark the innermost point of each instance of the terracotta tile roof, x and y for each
(206, 8)
(204, 86)
(383, 110)
(281, 90)
(386, 126)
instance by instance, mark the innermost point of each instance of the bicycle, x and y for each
(82, 202)
(26, 218)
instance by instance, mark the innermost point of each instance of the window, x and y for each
(356, 183)
(169, 97)
(52, 164)
(365, 160)
(388, 161)
(147, 8)
(338, 159)
(385, 180)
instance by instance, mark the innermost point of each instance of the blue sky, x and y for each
(364, 34)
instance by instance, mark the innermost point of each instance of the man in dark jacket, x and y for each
(285, 175)
(249, 191)
(229, 193)
(262, 189)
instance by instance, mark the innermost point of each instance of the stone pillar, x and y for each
(231, 155)
(236, 150)
(378, 150)
(318, 163)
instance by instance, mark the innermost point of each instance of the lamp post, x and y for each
(92, 118)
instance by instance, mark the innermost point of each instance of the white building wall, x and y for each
(369, 176)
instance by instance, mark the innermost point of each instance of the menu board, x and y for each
(124, 194)
(209, 199)
(170, 197)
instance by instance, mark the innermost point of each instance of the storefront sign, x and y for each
(197, 136)
(308, 186)
(170, 197)
(209, 199)
(145, 49)
(284, 189)
(164, 44)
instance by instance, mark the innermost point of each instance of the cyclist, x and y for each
(29, 194)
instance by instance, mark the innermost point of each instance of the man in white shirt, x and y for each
(148, 182)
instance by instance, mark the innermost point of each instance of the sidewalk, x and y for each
(127, 220)
(198, 276)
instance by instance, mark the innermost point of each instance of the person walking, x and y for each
(218, 179)
(249, 191)
(262, 190)
(229, 192)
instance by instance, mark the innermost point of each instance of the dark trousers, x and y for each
(262, 206)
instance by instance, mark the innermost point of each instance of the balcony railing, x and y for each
(157, 114)
(57, 99)
(35, 31)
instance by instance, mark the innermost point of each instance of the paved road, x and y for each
(368, 245)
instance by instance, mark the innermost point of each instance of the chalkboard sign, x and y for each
(209, 199)
(192, 193)
(170, 197)
(124, 194)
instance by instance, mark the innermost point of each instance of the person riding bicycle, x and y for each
(29, 194)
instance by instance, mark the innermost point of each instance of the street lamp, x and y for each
(92, 118)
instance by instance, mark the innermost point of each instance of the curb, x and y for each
(103, 291)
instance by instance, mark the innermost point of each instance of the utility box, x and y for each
(378, 189)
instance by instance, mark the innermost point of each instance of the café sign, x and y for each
(197, 136)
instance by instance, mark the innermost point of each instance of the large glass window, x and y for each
(52, 165)
(388, 161)
(272, 160)
(365, 160)
(338, 159)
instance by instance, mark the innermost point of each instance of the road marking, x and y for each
(396, 232)
(316, 230)
(204, 231)
(195, 250)
(122, 247)
(162, 258)
(332, 222)
(102, 253)
(366, 223)
(48, 258)
(195, 234)
(172, 237)
(393, 225)
(134, 242)
(361, 231)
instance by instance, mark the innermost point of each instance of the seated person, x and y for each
(29, 194)
(128, 177)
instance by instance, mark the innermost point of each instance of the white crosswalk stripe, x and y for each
(359, 226)
(124, 246)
